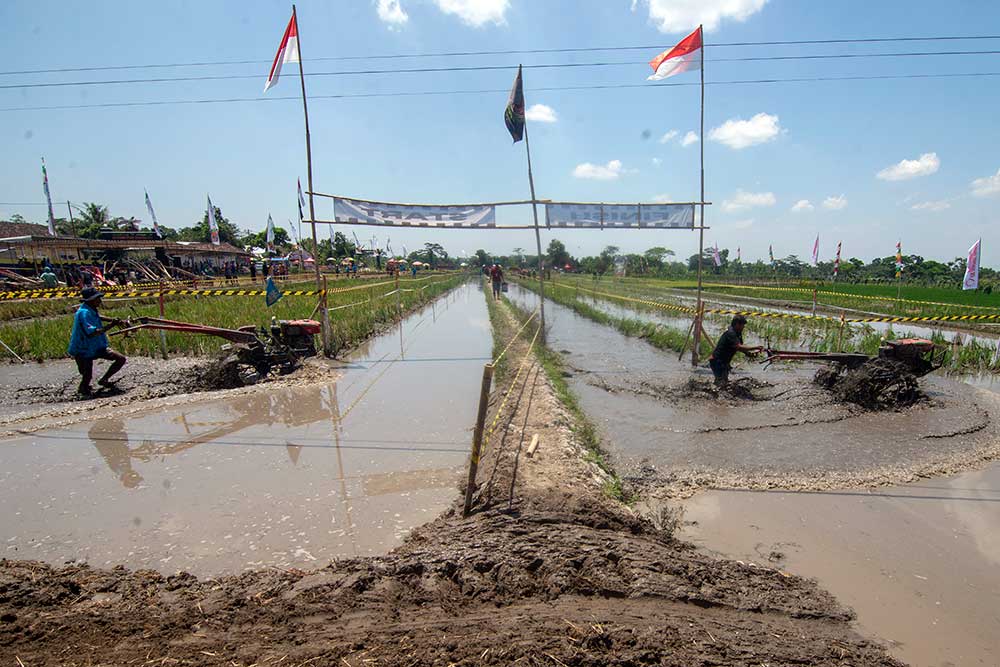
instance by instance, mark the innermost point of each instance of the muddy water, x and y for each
(919, 564)
(797, 439)
(292, 477)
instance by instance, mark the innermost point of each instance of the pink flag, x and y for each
(816, 251)
(971, 280)
(288, 52)
(687, 55)
(836, 262)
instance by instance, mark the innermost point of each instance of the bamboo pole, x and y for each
(701, 230)
(538, 236)
(309, 176)
(163, 334)
(477, 436)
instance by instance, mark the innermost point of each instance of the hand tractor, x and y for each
(256, 351)
(916, 355)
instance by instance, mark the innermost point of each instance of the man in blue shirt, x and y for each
(88, 342)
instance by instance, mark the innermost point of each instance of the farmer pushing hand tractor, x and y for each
(88, 341)
(729, 344)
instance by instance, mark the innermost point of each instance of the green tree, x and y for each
(482, 258)
(228, 232)
(259, 239)
(557, 254)
(434, 251)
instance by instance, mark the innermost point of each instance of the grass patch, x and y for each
(582, 427)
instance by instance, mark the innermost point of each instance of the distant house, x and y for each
(26, 246)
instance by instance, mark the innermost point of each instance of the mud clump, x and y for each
(219, 374)
(876, 385)
(746, 389)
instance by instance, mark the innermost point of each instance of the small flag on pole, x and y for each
(48, 199)
(270, 234)
(815, 256)
(152, 214)
(288, 52)
(836, 262)
(213, 226)
(302, 200)
(739, 257)
(716, 259)
(271, 293)
(971, 280)
(513, 115)
(899, 260)
(687, 55)
(770, 252)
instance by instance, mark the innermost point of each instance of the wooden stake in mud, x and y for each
(814, 302)
(840, 336)
(163, 334)
(477, 436)
(687, 338)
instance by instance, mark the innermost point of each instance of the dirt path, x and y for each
(546, 571)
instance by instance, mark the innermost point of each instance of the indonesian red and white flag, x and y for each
(687, 55)
(971, 280)
(816, 252)
(288, 52)
(716, 259)
(836, 262)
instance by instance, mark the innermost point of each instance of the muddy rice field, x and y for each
(316, 518)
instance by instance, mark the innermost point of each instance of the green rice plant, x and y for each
(366, 311)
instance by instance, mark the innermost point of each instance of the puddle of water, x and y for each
(293, 477)
(919, 564)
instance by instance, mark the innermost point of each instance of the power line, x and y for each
(487, 68)
(453, 54)
(430, 93)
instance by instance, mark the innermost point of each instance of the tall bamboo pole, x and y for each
(325, 315)
(538, 236)
(701, 227)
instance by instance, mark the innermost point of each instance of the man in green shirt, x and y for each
(729, 344)
(49, 278)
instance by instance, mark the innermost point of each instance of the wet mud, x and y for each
(545, 571)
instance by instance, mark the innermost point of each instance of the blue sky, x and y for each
(769, 146)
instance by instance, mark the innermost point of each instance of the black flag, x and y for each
(513, 116)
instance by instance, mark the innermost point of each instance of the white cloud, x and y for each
(738, 133)
(657, 162)
(986, 186)
(673, 16)
(742, 201)
(668, 136)
(931, 206)
(662, 199)
(476, 13)
(391, 12)
(689, 138)
(904, 170)
(612, 171)
(802, 205)
(540, 113)
(835, 203)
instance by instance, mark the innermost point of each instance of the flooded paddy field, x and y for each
(896, 513)
(289, 475)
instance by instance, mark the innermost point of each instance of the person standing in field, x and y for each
(496, 277)
(88, 342)
(729, 344)
(49, 278)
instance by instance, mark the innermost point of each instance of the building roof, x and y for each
(11, 229)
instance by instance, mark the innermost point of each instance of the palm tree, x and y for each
(94, 215)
